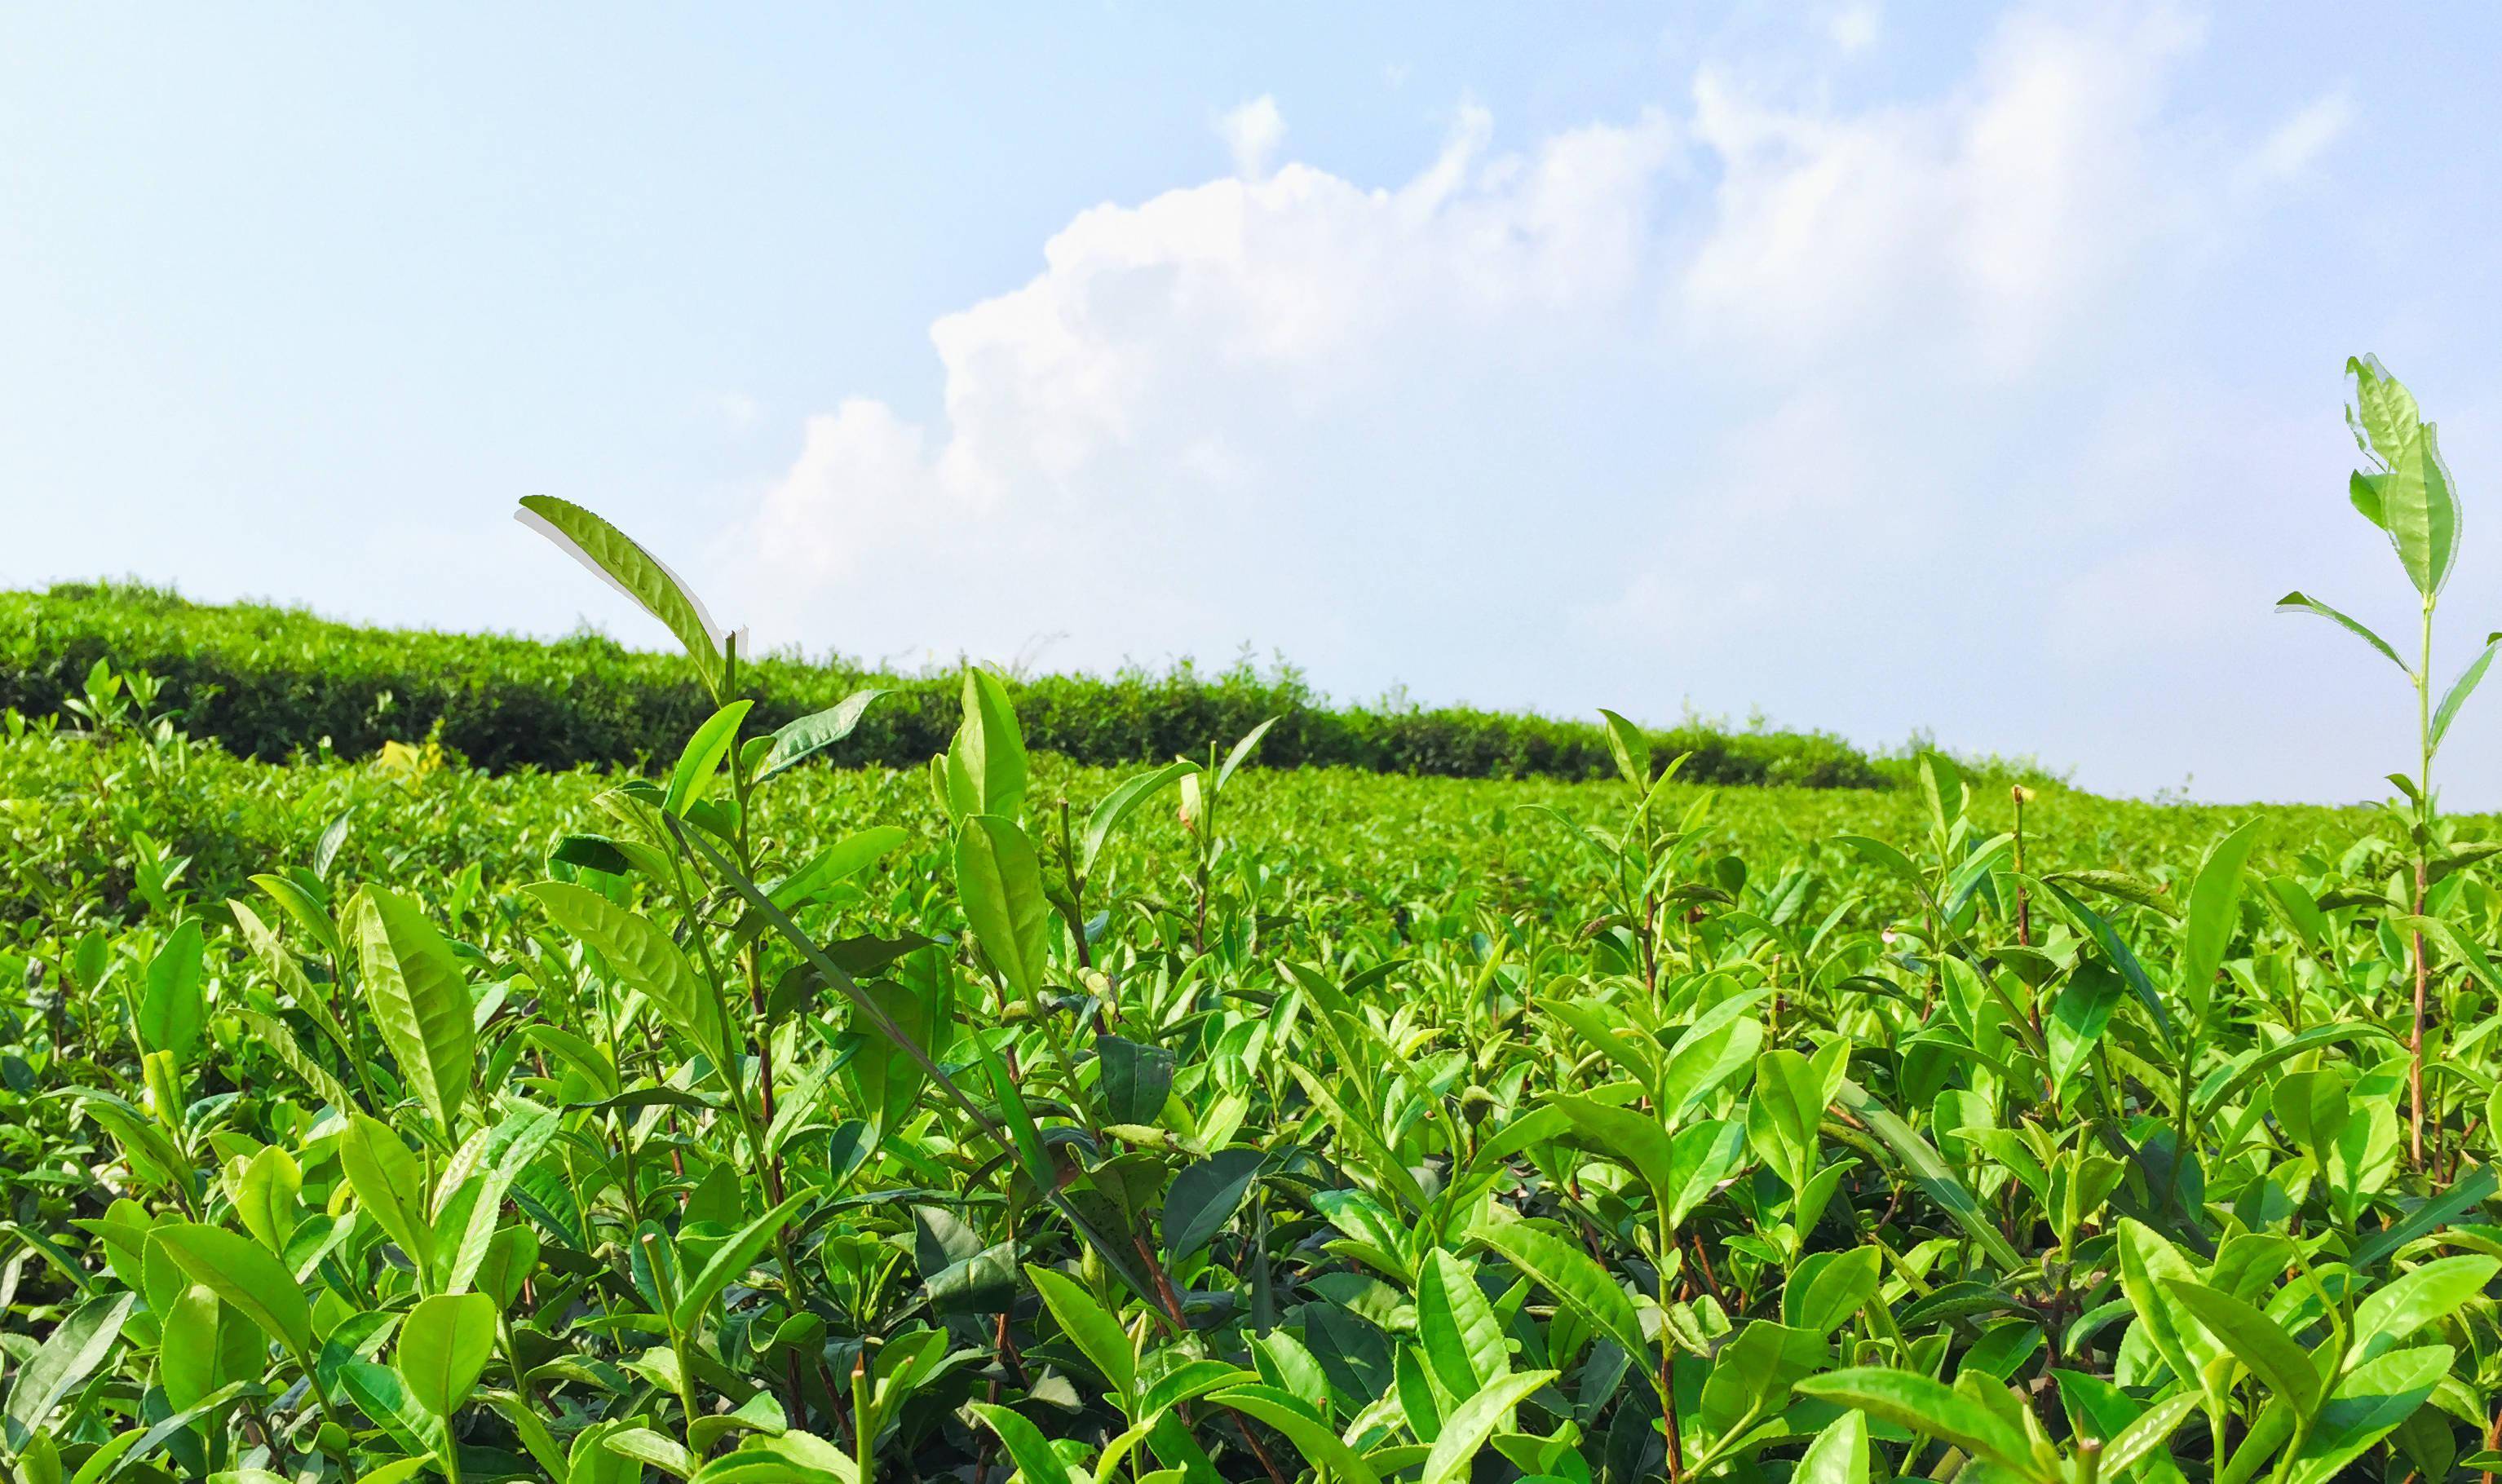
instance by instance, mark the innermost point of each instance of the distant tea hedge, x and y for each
(269, 682)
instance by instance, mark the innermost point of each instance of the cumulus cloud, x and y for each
(1143, 383)
(1993, 214)
(1650, 408)
(1854, 27)
(1253, 132)
(2303, 138)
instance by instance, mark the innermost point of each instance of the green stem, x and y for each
(513, 1359)
(1668, 1359)
(329, 1409)
(2423, 846)
(1076, 900)
(667, 1290)
(863, 1426)
(2186, 1112)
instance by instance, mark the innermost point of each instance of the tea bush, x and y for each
(271, 682)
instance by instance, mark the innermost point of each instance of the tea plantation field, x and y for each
(747, 1118)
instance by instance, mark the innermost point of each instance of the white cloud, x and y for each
(1994, 211)
(1853, 26)
(2301, 139)
(1253, 132)
(1166, 348)
(1711, 405)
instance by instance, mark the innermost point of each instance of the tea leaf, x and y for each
(999, 880)
(239, 1273)
(444, 1345)
(418, 997)
(2296, 602)
(795, 742)
(80, 1342)
(617, 560)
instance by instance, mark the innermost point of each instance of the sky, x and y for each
(1881, 369)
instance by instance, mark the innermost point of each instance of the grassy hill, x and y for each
(270, 682)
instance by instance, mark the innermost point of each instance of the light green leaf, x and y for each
(384, 1177)
(2462, 688)
(240, 1273)
(733, 1257)
(265, 1196)
(2153, 1427)
(1328, 1454)
(1463, 1340)
(2419, 507)
(632, 570)
(78, 1344)
(700, 761)
(1094, 1331)
(1915, 1402)
(999, 882)
(2151, 1267)
(985, 764)
(1636, 1139)
(795, 742)
(1784, 1113)
(1942, 787)
(1722, 1043)
(2262, 1061)
(2371, 1401)
(1241, 751)
(418, 997)
(1473, 1420)
(2296, 602)
(1706, 1153)
(639, 955)
(1931, 1173)
(1826, 1289)
(839, 861)
(2255, 1340)
(2214, 914)
(2383, 414)
(645, 1446)
(2422, 1296)
(512, 1255)
(171, 1013)
(1885, 858)
(444, 1345)
(1631, 748)
(1573, 1277)
(1119, 804)
(1036, 1460)
(188, 1343)
(1838, 1455)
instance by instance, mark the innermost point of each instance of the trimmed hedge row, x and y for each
(271, 682)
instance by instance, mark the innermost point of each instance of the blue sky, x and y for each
(1871, 367)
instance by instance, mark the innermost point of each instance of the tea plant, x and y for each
(2409, 496)
(754, 1120)
(268, 682)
